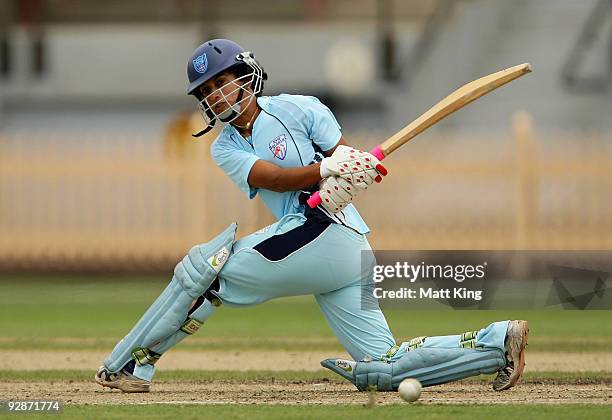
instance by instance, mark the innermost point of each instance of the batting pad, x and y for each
(169, 313)
(431, 366)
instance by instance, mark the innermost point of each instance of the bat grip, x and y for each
(315, 199)
(378, 153)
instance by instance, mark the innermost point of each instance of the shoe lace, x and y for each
(107, 376)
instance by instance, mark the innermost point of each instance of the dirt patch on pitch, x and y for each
(303, 392)
(265, 360)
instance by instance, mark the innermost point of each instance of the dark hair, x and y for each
(242, 69)
(238, 70)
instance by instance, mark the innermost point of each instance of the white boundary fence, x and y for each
(95, 204)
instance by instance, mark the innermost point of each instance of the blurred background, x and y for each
(98, 171)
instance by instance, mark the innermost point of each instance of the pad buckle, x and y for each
(191, 326)
(143, 356)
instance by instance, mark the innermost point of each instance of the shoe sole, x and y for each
(125, 385)
(132, 387)
(518, 356)
(105, 384)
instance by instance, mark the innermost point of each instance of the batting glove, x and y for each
(336, 193)
(359, 168)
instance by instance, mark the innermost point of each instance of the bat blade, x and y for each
(458, 99)
(466, 94)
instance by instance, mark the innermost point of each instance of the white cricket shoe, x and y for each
(516, 341)
(122, 380)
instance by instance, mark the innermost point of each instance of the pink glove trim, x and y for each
(314, 200)
(378, 153)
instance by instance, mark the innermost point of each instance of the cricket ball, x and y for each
(410, 389)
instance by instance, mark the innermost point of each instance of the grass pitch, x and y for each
(185, 412)
(74, 314)
(102, 309)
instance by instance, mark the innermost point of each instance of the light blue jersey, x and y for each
(291, 131)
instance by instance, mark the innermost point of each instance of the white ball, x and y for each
(410, 389)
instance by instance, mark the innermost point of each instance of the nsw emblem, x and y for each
(278, 147)
(200, 63)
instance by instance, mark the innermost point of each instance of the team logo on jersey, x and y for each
(278, 147)
(200, 63)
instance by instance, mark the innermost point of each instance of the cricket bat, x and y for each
(458, 99)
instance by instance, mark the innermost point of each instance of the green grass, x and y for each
(287, 375)
(397, 411)
(92, 312)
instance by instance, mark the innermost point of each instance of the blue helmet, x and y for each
(212, 58)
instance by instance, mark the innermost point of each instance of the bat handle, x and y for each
(315, 199)
(378, 153)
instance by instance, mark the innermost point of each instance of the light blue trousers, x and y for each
(330, 268)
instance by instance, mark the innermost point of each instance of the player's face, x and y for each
(221, 91)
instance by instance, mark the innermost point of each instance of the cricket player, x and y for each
(282, 148)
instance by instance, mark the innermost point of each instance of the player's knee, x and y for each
(192, 270)
(203, 262)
